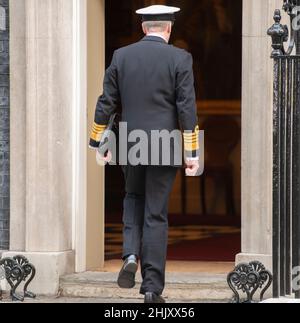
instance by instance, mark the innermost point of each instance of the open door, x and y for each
(204, 212)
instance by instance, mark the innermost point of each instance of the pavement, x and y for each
(93, 300)
(285, 300)
(70, 300)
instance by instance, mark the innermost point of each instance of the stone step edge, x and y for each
(190, 280)
(180, 286)
(87, 290)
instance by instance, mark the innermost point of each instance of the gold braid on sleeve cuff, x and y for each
(96, 135)
(191, 140)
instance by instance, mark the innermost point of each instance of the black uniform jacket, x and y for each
(154, 83)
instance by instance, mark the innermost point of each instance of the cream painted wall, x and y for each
(95, 178)
(257, 130)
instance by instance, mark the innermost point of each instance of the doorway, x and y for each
(204, 212)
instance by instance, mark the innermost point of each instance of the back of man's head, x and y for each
(156, 26)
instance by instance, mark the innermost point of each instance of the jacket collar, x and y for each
(154, 38)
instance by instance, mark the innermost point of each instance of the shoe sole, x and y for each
(149, 300)
(126, 278)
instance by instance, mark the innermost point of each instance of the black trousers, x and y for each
(146, 221)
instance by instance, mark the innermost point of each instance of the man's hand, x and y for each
(192, 167)
(103, 160)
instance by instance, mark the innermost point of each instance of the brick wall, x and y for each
(4, 125)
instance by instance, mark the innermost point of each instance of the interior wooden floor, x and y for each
(114, 266)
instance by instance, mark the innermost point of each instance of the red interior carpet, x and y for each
(192, 238)
(188, 219)
(222, 248)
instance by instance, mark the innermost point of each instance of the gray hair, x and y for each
(156, 26)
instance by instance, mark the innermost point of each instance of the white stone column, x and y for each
(18, 124)
(257, 132)
(41, 226)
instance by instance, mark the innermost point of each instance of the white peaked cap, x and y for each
(158, 10)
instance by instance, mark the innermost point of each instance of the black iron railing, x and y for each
(286, 153)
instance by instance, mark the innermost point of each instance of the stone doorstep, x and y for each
(183, 286)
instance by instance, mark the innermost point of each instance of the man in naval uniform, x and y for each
(154, 83)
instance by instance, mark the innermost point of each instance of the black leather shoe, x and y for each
(127, 274)
(152, 298)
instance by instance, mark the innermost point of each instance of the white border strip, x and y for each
(79, 133)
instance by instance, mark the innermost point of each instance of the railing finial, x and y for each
(279, 34)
